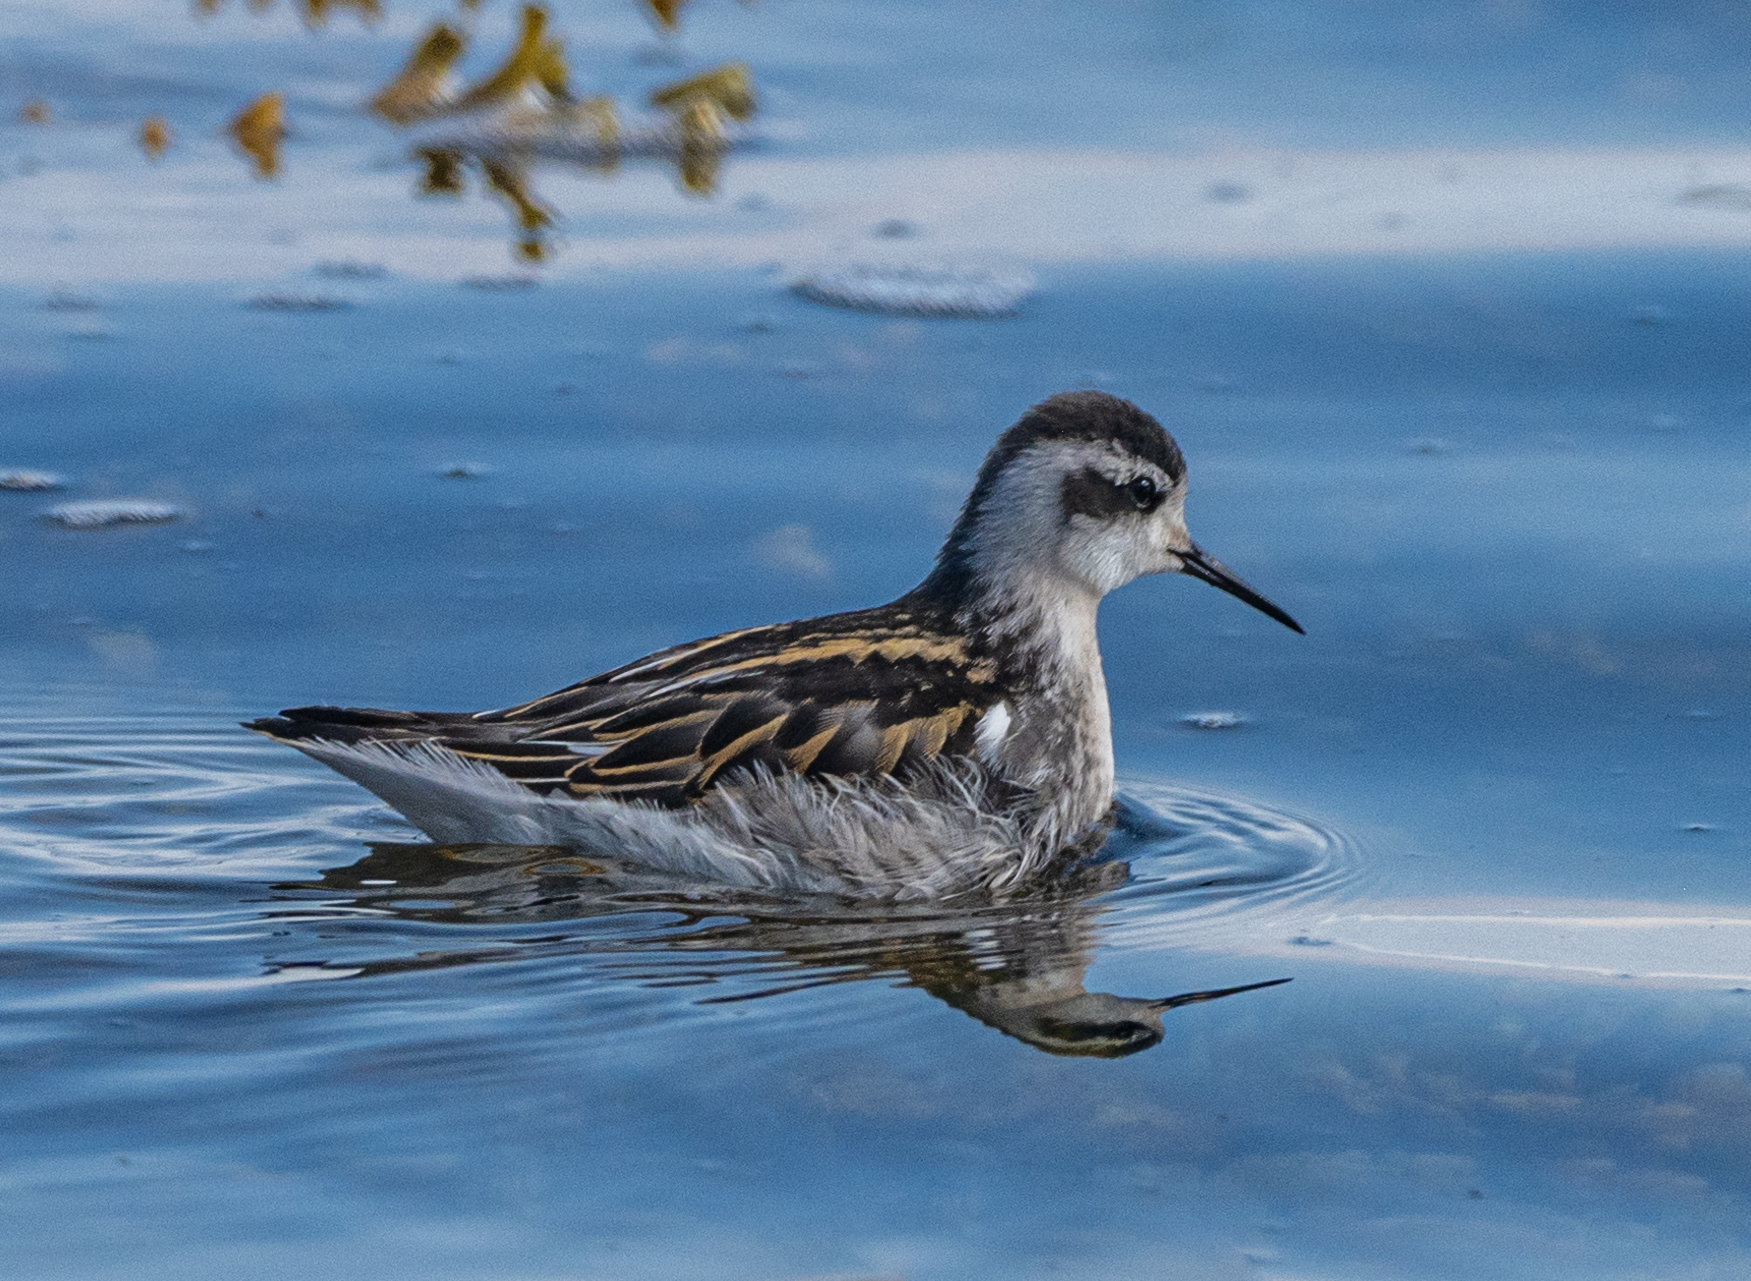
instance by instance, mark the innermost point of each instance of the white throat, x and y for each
(1039, 594)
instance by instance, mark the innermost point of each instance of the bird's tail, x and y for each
(368, 724)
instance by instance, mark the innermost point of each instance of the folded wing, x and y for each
(856, 695)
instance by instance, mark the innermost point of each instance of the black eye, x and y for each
(1143, 494)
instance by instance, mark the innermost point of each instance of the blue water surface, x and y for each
(254, 1025)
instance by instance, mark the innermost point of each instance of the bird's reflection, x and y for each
(1018, 967)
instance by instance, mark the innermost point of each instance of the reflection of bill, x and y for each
(1018, 967)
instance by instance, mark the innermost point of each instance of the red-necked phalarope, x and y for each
(956, 739)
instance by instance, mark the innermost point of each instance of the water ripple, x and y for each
(1208, 862)
(177, 859)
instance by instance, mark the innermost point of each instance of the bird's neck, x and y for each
(1045, 628)
(1025, 611)
(1038, 625)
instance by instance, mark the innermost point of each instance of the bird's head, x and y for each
(1083, 495)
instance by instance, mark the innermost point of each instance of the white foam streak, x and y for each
(1589, 941)
(73, 226)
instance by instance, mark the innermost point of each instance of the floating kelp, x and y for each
(511, 182)
(702, 120)
(503, 124)
(587, 133)
(523, 113)
(443, 172)
(666, 12)
(258, 131)
(728, 90)
(536, 61)
(422, 88)
(155, 137)
(702, 108)
(506, 145)
(315, 13)
(106, 513)
(957, 293)
(509, 179)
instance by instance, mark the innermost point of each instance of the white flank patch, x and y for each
(993, 729)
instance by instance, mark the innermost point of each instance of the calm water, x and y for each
(1492, 815)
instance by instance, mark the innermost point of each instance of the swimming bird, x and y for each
(956, 739)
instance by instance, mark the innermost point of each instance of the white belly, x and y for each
(933, 837)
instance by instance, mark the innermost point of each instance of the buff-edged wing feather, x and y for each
(869, 694)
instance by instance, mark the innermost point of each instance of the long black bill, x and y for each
(1200, 564)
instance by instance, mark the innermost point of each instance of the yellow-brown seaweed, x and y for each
(315, 12)
(698, 160)
(258, 131)
(729, 88)
(443, 172)
(419, 89)
(535, 59)
(667, 12)
(512, 182)
(702, 106)
(598, 112)
(155, 137)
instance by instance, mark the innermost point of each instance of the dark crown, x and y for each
(1092, 416)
